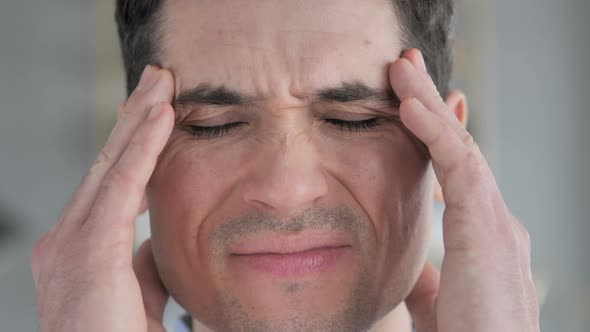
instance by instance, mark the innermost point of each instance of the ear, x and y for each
(457, 103)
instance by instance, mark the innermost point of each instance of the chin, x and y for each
(341, 296)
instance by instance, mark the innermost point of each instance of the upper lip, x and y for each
(282, 243)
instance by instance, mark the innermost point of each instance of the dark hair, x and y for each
(425, 24)
(137, 25)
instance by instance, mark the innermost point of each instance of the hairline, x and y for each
(156, 32)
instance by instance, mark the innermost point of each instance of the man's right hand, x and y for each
(85, 276)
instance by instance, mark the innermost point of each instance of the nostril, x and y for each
(262, 205)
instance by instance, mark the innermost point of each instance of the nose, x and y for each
(287, 179)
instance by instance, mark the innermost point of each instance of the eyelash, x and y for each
(342, 125)
(213, 132)
(353, 126)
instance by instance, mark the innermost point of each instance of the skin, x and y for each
(287, 163)
(293, 166)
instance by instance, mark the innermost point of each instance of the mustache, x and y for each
(340, 218)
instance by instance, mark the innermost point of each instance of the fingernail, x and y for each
(155, 111)
(148, 79)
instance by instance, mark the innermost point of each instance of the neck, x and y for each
(397, 320)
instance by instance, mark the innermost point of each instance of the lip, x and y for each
(294, 264)
(287, 255)
(276, 243)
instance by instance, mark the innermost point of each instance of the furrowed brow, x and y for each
(206, 94)
(358, 91)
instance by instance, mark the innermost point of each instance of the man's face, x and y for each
(307, 206)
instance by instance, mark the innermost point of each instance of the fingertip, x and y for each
(168, 78)
(407, 52)
(166, 119)
(410, 53)
(168, 111)
(416, 58)
(400, 72)
(400, 64)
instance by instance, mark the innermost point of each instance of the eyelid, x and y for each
(349, 118)
(374, 108)
(216, 116)
(211, 132)
(352, 109)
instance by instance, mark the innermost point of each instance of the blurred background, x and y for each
(523, 65)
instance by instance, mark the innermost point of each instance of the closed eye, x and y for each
(214, 131)
(222, 130)
(354, 126)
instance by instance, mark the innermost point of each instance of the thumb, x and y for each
(422, 298)
(153, 292)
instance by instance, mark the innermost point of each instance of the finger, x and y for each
(155, 86)
(409, 79)
(417, 59)
(524, 245)
(525, 262)
(144, 205)
(444, 146)
(153, 292)
(111, 219)
(466, 180)
(475, 209)
(422, 299)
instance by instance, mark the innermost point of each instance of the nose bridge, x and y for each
(288, 176)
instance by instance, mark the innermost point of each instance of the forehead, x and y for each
(273, 47)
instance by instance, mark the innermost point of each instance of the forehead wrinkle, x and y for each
(277, 66)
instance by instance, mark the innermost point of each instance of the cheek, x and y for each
(186, 191)
(190, 183)
(387, 175)
(390, 178)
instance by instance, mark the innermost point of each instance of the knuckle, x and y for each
(511, 235)
(40, 248)
(135, 98)
(468, 140)
(434, 92)
(119, 180)
(527, 238)
(473, 167)
(442, 131)
(122, 109)
(510, 238)
(472, 171)
(105, 158)
(523, 234)
(139, 144)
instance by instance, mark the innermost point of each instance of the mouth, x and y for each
(282, 255)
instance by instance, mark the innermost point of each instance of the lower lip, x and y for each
(295, 264)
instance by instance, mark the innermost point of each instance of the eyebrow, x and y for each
(358, 92)
(348, 92)
(206, 94)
